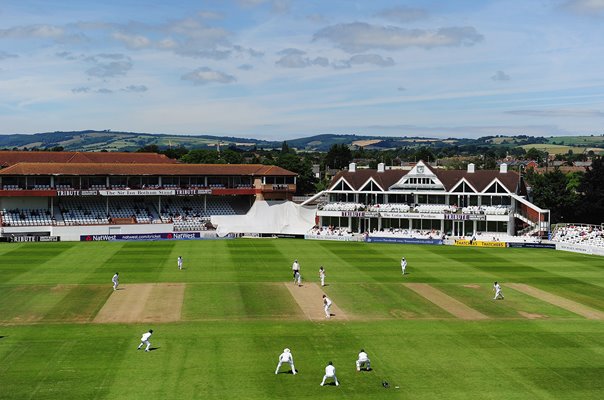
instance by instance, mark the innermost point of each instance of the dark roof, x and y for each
(144, 169)
(479, 179)
(360, 176)
(8, 158)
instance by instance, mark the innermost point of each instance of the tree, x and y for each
(591, 208)
(338, 156)
(150, 148)
(301, 166)
(201, 157)
(284, 147)
(175, 153)
(537, 155)
(424, 154)
(552, 191)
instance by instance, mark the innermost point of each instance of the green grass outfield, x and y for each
(236, 319)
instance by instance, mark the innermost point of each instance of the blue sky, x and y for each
(279, 69)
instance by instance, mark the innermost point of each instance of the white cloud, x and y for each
(558, 113)
(588, 7)
(210, 15)
(316, 18)
(205, 75)
(189, 37)
(295, 58)
(374, 59)
(277, 6)
(4, 55)
(403, 14)
(360, 36)
(82, 89)
(107, 65)
(32, 31)
(134, 42)
(135, 89)
(501, 76)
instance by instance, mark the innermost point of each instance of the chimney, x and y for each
(381, 167)
(503, 168)
(470, 168)
(352, 167)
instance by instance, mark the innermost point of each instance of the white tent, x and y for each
(268, 217)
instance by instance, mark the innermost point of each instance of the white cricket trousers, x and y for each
(335, 379)
(145, 342)
(291, 364)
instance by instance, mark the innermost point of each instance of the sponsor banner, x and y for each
(192, 192)
(479, 243)
(466, 217)
(162, 192)
(575, 248)
(49, 238)
(141, 237)
(34, 238)
(532, 245)
(334, 237)
(597, 251)
(411, 215)
(360, 214)
(373, 239)
(66, 193)
(282, 235)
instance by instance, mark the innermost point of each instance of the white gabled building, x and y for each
(453, 202)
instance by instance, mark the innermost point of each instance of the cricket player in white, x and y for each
(145, 340)
(322, 275)
(330, 372)
(403, 265)
(363, 361)
(115, 280)
(179, 261)
(298, 278)
(286, 357)
(497, 289)
(327, 305)
(295, 268)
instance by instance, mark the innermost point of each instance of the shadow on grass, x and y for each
(288, 372)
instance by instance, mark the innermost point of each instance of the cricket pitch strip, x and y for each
(148, 302)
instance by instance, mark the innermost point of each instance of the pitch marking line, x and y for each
(446, 302)
(309, 298)
(561, 302)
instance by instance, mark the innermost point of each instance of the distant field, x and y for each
(240, 309)
(561, 149)
(588, 141)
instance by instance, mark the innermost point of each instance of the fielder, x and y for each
(330, 372)
(145, 340)
(179, 262)
(363, 361)
(295, 269)
(115, 280)
(322, 275)
(286, 357)
(403, 265)
(498, 293)
(326, 306)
